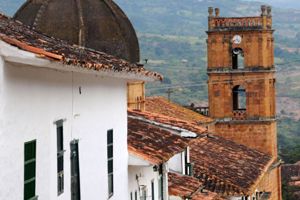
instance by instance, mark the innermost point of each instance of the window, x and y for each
(29, 170)
(257, 195)
(135, 195)
(144, 192)
(237, 58)
(152, 190)
(239, 98)
(245, 197)
(110, 163)
(186, 161)
(131, 196)
(160, 188)
(188, 168)
(75, 171)
(60, 156)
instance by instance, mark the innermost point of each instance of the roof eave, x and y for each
(143, 157)
(15, 55)
(136, 160)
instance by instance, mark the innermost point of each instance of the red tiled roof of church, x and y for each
(171, 121)
(161, 105)
(226, 167)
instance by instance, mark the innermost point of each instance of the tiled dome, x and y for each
(96, 24)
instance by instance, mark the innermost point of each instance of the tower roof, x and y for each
(97, 24)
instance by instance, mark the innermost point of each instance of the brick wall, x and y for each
(258, 48)
(257, 135)
(260, 94)
(271, 182)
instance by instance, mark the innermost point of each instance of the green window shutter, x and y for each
(29, 169)
(60, 156)
(110, 162)
(152, 190)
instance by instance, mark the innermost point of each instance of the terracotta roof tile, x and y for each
(175, 122)
(161, 105)
(226, 167)
(223, 166)
(187, 186)
(21, 36)
(152, 143)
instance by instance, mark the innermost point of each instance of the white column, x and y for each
(165, 171)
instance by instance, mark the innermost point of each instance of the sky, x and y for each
(13, 5)
(295, 4)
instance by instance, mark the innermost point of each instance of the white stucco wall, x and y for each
(175, 198)
(31, 99)
(176, 163)
(145, 176)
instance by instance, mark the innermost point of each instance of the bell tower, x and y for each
(242, 79)
(241, 85)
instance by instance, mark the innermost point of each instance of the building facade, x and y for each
(241, 83)
(63, 118)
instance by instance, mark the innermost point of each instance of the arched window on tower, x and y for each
(239, 98)
(237, 58)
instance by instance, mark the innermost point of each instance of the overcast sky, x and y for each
(13, 5)
(282, 3)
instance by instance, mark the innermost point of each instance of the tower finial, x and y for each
(263, 10)
(269, 11)
(210, 11)
(217, 12)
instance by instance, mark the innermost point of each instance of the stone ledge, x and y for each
(238, 71)
(246, 121)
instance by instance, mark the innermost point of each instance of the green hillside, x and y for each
(172, 36)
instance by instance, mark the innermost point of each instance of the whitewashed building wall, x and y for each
(141, 173)
(142, 176)
(176, 163)
(31, 100)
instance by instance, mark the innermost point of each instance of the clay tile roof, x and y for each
(226, 167)
(186, 186)
(152, 143)
(21, 36)
(171, 121)
(161, 105)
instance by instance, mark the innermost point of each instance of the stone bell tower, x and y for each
(241, 86)
(242, 79)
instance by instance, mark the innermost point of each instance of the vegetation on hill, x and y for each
(291, 138)
(173, 38)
